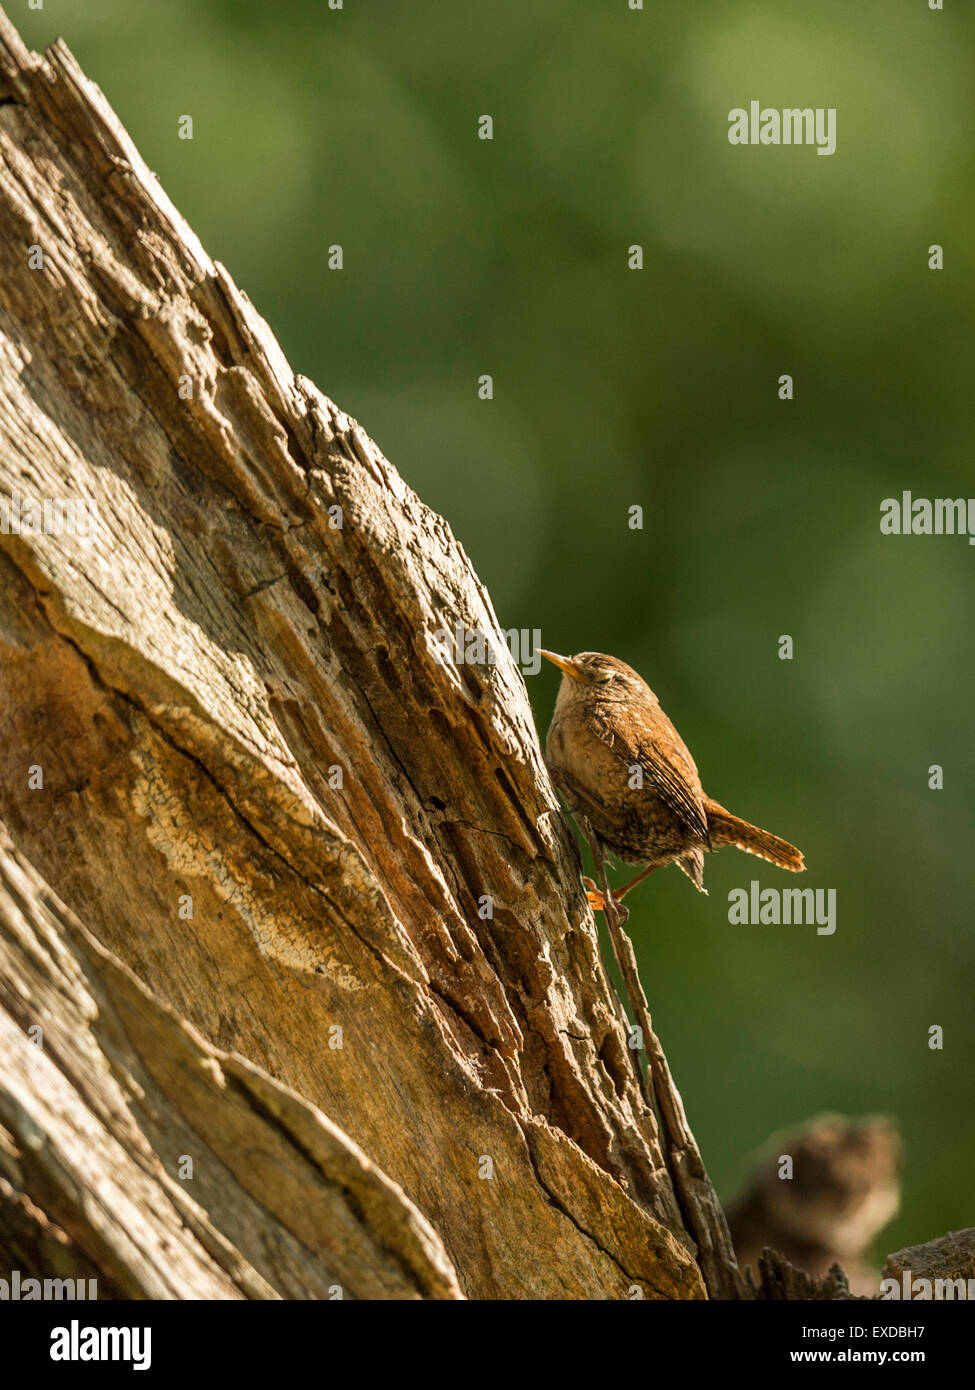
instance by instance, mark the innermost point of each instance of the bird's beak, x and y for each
(564, 663)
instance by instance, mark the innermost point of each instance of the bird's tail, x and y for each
(726, 829)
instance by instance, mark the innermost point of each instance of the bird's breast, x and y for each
(631, 818)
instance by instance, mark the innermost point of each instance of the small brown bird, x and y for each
(842, 1190)
(619, 761)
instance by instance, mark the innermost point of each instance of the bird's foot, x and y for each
(597, 900)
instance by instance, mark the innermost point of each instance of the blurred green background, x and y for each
(659, 388)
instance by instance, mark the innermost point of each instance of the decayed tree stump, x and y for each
(270, 812)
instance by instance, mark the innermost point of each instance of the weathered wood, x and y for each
(781, 1282)
(949, 1258)
(189, 679)
(102, 1111)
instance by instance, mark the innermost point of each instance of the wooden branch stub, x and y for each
(949, 1258)
(701, 1210)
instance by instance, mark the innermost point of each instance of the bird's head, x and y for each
(592, 674)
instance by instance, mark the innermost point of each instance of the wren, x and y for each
(619, 761)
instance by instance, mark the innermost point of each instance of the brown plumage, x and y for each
(844, 1188)
(607, 733)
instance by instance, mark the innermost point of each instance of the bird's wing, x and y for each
(667, 765)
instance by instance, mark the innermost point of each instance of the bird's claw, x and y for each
(597, 900)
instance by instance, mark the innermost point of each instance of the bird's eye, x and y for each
(603, 677)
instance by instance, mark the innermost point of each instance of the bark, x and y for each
(102, 1111)
(950, 1257)
(780, 1282)
(188, 681)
